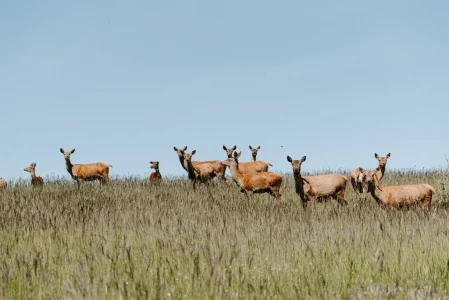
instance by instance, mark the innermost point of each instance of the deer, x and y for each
(35, 180)
(356, 179)
(251, 166)
(318, 188)
(195, 174)
(398, 196)
(3, 183)
(210, 169)
(156, 175)
(249, 183)
(86, 172)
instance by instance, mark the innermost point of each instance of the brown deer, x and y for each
(86, 172)
(318, 187)
(35, 180)
(254, 152)
(194, 174)
(210, 168)
(263, 182)
(3, 183)
(398, 195)
(156, 175)
(356, 179)
(251, 166)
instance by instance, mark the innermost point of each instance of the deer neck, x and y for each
(380, 171)
(158, 173)
(69, 166)
(183, 163)
(299, 183)
(235, 173)
(190, 169)
(254, 157)
(33, 174)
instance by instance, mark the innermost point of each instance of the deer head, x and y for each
(296, 164)
(31, 169)
(229, 151)
(154, 165)
(382, 160)
(254, 152)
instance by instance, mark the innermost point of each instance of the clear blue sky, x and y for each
(125, 81)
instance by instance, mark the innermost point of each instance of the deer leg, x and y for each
(221, 177)
(341, 197)
(79, 181)
(354, 183)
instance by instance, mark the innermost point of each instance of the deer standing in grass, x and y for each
(195, 174)
(3, 183)
(86, 172)
(156, 175)
(35, 180)
(318, 187)
(208, 169)
(251, 166)
(356, 179)
(262, 182)
(398, 195)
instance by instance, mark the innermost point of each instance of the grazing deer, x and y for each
(35, 180)
(398, 195)
(156, 175)
(251, 166)
(263, 182)
(318, 187)
(3, 183)
(254, 152)
(356, 179)
(86, 172)
(209, 169)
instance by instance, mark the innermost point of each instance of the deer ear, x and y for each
(235, 147)
(258, 148)
(224, 148)
(361, 169)
(376, 156)
(289, 159)
(73, 151)
(151, 162)
(237, 155)
(33, 164)
(250, 148)
(176, 149)
(303, 159)
(62, 150)
(193, 152)
(185, 148)
(388, 155)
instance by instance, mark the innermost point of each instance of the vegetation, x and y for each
(134, 239)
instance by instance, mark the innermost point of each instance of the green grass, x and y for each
(135, 240)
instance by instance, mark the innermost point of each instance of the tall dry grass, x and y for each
(135, 240)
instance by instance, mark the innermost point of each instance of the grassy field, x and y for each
(135, 240)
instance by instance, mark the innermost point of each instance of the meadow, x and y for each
(132, 239)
